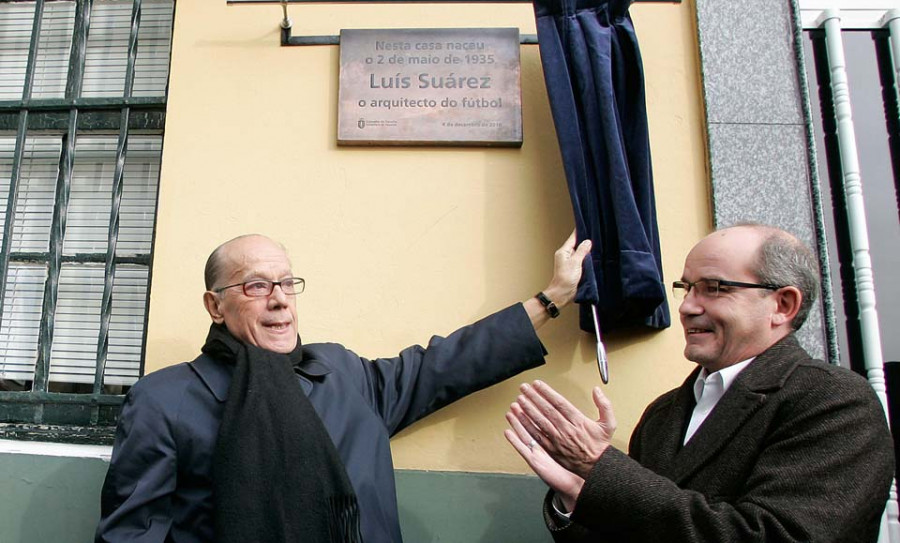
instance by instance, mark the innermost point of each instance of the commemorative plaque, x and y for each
(458, 86)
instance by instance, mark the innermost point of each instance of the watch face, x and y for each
(548, 305)
(554, 311)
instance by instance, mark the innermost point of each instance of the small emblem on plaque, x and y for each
(361, 123)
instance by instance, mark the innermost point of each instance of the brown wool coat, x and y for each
(795, 451)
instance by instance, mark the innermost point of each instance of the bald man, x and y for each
(262, 438)
(760, 443)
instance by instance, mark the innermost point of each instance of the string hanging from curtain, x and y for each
(595, 82)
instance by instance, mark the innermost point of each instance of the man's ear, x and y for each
(211, 301)
(787, 301)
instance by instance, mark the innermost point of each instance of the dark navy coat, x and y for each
(159, 487)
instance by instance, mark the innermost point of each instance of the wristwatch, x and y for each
(548, 305)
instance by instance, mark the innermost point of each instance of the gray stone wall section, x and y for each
(749, 68)
(757, 126)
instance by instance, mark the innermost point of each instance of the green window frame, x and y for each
(83, 88)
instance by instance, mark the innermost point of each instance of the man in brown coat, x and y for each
(760, 443)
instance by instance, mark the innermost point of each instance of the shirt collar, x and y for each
(725, 376)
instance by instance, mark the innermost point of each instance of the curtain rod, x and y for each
(415, 1)
(289, 40)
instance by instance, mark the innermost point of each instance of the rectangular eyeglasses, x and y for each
(709, 288)
(258, 288)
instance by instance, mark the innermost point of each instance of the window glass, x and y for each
(36, 195)
(21, 321)
(106, 56)
(54, 47)
(90, 195)
(15, 39)
(138, 209)
(77, 321)
(126, 327)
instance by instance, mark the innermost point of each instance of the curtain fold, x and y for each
(592, 67)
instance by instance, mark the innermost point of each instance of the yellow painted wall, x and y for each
(397, 244)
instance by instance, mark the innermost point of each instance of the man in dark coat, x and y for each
(160, 485)
(760, 443)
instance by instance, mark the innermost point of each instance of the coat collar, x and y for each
(765, 375)
(217, 376)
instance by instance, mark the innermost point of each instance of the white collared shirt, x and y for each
(708, 390)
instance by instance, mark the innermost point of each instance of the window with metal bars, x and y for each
(83, 89)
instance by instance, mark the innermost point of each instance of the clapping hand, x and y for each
(570, 438)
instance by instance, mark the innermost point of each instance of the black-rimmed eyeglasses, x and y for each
(710, 288)
(258, 288)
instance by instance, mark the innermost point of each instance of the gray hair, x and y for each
(213, 268)
(784, 260)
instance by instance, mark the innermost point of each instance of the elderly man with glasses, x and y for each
(264, 439)
(760, 443)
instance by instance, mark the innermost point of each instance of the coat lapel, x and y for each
(765, 375)
(310, 370)
(668, 442)
(217, 376)
(732, 411)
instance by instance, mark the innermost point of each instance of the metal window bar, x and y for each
(52, 104)
(57, 234)
(63, 187)
(889, 55)
(113, 236)
(838, 202)
(853, 189)
(830, 22)
(78, 258)
(891, 21)
(287, 39)
(19, 150)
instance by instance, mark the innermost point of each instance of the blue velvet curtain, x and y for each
(595, 81)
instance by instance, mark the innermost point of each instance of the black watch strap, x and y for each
(548, 305)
